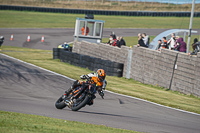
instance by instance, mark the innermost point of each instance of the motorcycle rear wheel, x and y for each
(82, 104)
(60, 104)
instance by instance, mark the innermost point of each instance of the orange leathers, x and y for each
(94, 79)
(83, 31)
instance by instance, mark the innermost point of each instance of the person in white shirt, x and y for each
(171, 42)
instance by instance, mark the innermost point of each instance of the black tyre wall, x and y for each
(91, 63)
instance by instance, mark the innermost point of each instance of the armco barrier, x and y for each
(98, 12)
(92, 63)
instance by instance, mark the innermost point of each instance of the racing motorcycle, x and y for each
(80, 97)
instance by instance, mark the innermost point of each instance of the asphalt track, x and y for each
(55, 36)
(28, 89)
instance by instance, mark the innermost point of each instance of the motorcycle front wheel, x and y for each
(60, 104)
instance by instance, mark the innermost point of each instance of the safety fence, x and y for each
(85, 61)
(98, 12)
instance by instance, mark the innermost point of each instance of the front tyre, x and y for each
(60, 104)
(82, 104)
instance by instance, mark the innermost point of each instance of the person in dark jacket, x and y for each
(1, 41)
(122, 41)
(113, 35)
(182, 45)
(140, 41)
(118, 42)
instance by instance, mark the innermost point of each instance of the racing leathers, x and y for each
(94, 80)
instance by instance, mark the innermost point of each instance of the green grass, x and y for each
(11, 122)
(130, 87)
(19, 19)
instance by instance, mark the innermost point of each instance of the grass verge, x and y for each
(11, 122)
(25, 19)
(43, 58)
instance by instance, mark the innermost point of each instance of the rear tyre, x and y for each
(82, 104)
(60, 104)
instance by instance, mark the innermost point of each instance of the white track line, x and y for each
(106, 90)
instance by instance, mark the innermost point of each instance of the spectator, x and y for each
(113, 35)
(181, 45)
(145, 39)
(171, 42)
(122, 41)
(1, 41)
(195, 46)
(176, 46)
(111, 41)
(160, 45)
(140, 41)
(164, 42)
(118, 42)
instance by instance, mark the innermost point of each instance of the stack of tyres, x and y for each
(75, 59)
(56, 53)
(111, 68)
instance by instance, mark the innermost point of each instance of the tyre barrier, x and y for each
(99, 12)
(56, 52)
(111, 68)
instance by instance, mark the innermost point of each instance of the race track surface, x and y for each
(30, 90)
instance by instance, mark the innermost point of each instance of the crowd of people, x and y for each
(174, 43)
(116, 41)
(177, 43)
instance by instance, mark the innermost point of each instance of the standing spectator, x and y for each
(110, 42)
(140, 41)
(1, 41)
(145, 39)
(176, 46)
(171, 42)
(164, 42)
(181, 45)
(195, 46)
(118, 42)
(113, 35)
(122, 41)
(160, 45)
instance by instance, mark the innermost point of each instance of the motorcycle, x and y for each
(80, 97)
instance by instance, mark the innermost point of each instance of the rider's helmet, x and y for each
(101, 75)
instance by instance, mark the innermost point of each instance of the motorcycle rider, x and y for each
(97, 78)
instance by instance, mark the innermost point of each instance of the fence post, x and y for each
(128, 68)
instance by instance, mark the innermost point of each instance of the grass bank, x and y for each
(11, 122)
(25, 19)
(105, 5)
(43, 58)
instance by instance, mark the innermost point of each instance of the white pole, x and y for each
(190, 27)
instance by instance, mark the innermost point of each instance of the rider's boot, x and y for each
(75, 84)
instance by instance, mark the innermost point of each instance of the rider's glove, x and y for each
(83, 77)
